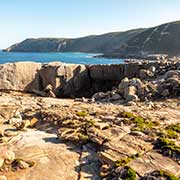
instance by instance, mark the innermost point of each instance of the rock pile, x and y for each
(58, 79)
(136, 89)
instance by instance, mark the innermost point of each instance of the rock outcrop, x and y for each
(150, 82)
(67, 80)
(63, 80)
(18, 76)
(72, 80)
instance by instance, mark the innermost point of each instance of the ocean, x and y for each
(67, 57)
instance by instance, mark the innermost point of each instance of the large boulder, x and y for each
(18, 76)
(60, 79)
(106, 72)
(67, 80)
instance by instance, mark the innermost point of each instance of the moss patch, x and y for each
(168, 147)
(125, 114)
(169, 133)
(76, 130)
(130, 174)
(82, 113)
(167, 175)
(125, 161)
(175, 127)
(140, 123)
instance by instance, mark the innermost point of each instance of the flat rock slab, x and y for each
(123, 147)
(154, 161)
(53, 160)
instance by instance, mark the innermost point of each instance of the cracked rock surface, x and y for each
(73, 140)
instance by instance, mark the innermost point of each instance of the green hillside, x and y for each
(163, 39)
(105, 43)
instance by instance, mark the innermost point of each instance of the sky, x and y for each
(21, 19)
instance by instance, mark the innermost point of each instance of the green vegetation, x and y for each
(167, 175)
(166, 45)
(140, 124)
(82, 113)
(169, 133)
(77, 130)
(17, 116)
(130, 173)
(175, 127)
(167, 146)
(125, 161)
(83, 137)
(125, 114)
(93, 44)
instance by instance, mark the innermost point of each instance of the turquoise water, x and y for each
(75, 58)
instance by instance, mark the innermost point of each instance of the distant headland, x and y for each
(163, 39)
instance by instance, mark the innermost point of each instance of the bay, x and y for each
(66, 57)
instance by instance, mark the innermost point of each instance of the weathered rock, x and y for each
(16, 119)
(1, 161)
(65, 79)
(23, 165)
(96, 136)
(170, 86)
(8, 156)
(9, 133)
(154, 161)
(106, 72)
(19, 76)
(123, 85)
(69, 80)
(99, 96)
(115, 97)
(172, 73)
(1, 131)
(117, 136)
(138, 84)
(7, 112)
(130, 94)
(165, 93)
(123, 147)
(2, 177)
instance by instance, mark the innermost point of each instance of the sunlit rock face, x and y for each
(58, 79)
(18, 76)
(66, 80)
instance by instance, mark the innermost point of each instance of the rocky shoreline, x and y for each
(72, 80)
(122, 121)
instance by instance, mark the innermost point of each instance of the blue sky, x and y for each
(21, 19)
